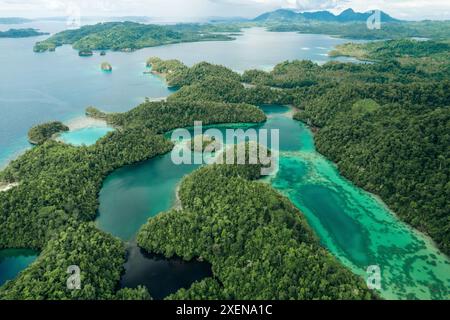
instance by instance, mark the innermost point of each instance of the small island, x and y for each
(85, 53)
(21, 33)
(43, 132)
(105, 66)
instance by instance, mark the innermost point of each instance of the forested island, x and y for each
(354, 107)
(128, 36)
(21, 33)
(43, 132)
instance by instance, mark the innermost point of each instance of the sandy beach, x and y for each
(85, 122)
(7, 186)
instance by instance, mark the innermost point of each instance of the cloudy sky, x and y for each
(403, 9)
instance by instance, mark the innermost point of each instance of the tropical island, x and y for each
(43, 132)
(130, 36)
(21, 33)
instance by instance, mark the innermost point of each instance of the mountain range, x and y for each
(348, 15)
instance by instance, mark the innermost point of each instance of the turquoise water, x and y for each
(12, 261)
(60, 85)
(84, 136)
(354, 225)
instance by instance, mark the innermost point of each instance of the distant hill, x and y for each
(348, 15)
(14, 20)
(21, 33)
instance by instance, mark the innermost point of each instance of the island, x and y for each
(21, 33)
(130, 36)
(41, 133)
(105, 66)
(387, 133)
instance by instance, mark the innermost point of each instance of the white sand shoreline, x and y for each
(85, 122)
(8, 186)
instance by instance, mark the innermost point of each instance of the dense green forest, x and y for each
(385, 124)
(129, 36)
(57, 197)
(258, 243)
(42, 132)
(21, 33)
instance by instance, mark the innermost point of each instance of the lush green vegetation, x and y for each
(258, 243)
(41, 133)
(57, 197)
(438, 30)
(393, 49)
(384, 124)
(128, 36)
(21, 33)
(161, 117)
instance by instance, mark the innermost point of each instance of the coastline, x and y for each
(83, 122)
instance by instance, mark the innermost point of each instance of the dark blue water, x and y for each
(12, 261)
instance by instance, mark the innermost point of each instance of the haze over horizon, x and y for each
(195, 9)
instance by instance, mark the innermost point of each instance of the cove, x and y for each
(60, 85)
(161, 276)
(84, 136)
(355, 226)
(12, 261)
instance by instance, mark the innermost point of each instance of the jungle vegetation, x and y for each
(57, 198)
(258, 243)
(385, 124)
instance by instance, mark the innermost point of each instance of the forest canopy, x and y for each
(42, 132)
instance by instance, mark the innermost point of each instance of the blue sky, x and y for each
(182, 9)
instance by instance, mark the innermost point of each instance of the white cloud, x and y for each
(406, 9)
